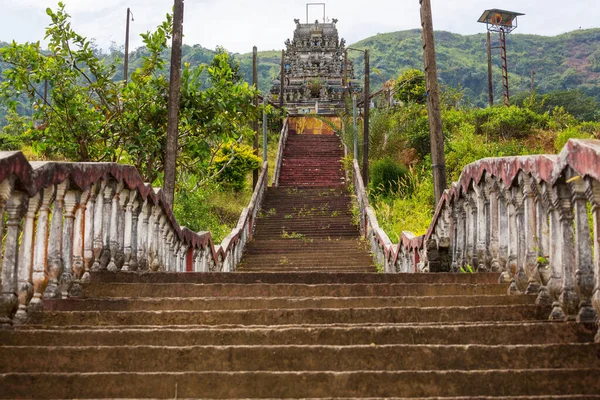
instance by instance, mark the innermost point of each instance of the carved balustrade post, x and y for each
(90, 226)
(70, 204)
(113, 235)
(130, 234)
(154, 233)
(163, 242)
(568, 295)
(530, 265)
(25, 283)
(144, 236)
(593, 194)
(494, 219)
(584, 274)
(197, 256)
(6, 187)
(471, 225)
(555, 283)
(504, 236)
(482, 192)
(183, 249)
(99, 226)
(461, 233)
(79, 239)
(543, 232)
(123, 201)
(40, 252)
(517, 248)
(55, 245)
(9, 302)
(134, 264)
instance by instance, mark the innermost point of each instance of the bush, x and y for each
(234, 172)
(389, 177)
(575, 132)
(508, 122)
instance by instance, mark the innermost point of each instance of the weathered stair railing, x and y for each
(279, 160)
(67, 219)
(526, 217)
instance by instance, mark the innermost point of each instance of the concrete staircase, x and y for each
(297, 335)
(306, 223)
(306, 319)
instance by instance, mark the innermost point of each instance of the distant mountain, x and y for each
(567, 61)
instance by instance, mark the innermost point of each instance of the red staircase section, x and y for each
(312, 160)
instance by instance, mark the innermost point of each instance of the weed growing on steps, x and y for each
(467, 269)
(288, 216)
(336, 214)
(284, 261)
(295, 235)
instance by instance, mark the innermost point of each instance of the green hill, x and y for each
(563, 62)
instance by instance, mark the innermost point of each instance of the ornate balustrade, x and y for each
(279, 160)
(64, 220)
(525, 217)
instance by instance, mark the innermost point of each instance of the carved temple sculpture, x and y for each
(315, 78)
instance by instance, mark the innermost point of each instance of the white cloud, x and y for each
(240, 24)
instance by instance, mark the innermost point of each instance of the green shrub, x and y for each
(570, 133)
(508, 122)
(234, 171)
(389, 177)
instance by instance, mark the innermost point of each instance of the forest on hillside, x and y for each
(566, 62)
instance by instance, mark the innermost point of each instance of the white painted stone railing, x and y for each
(525, 217)
(67, 219)
(279, 161)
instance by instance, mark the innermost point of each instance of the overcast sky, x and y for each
(239, 24)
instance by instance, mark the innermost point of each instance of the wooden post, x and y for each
(265, 131)
(282, 79)
(490, 77)
(355, 120)
(366, 105)
(126, 61)
(255, 122)
(433, 102)
(345, 82)
(173, 121)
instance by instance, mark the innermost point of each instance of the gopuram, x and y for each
(316, 70)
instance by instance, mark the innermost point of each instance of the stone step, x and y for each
(255, 303)
(297, 358)
(540, 382)
(491, 333)
(286, 266)
(387, 315)
(289, 290)
(305, 278)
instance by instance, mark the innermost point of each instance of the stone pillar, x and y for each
(584, 274)
(568, 299)
(183, 249)
(120, 257)
(9, 301)
(504, 237)
(593, 194)
(88, 240)
(144, 236)
(494, 220)
(66, 279)
(99, 227)
(153, 260)
(25, 283)
(517, 242)
(113, 239)
(134, 264)
(543, 232)
(555, 282)
(530, 265)
(40, 252)
(55, 245)
(6, 187)
(461, 233)
(471, 221)
(483, 227)
(79, 240)
(128, 234)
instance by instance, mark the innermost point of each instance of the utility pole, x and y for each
(265, 132)
(355, 120)
(504, 67)
(126, 61)
(433, 102)
(367, 106)
(255, 122)
(173, 107)
(490, 77)
(282, 79)
(345, 82)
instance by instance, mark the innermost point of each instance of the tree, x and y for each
(410, 87)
